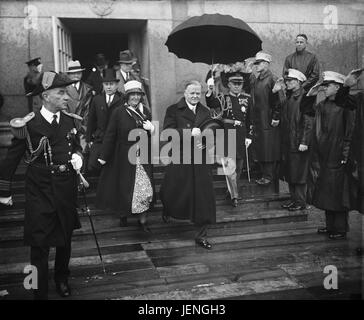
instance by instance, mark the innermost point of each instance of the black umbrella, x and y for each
(214, 38)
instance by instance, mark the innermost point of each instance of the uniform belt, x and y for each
(54, 168)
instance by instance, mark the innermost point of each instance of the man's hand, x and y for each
(76, 161)
(279, 85)
(7, 201)
(147, 125)
(196, 132)
(248, 142)
(302, 147)
(102, 162)
(352, 78)
(275, 123)
(237, 123)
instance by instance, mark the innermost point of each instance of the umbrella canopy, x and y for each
(214, 38)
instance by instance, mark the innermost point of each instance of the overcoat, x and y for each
(50, 196)
(187, 190)
(266, 106)
(296, 128)
(116, 184)
(333, 130)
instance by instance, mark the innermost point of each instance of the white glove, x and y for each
(76, 161)
(248, 142)
(147, 125)
(8, 201)
(237, 123)
(196, 132)
(102, 162)
(275, 123)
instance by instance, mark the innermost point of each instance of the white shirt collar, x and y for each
(77, 85)
(192, 107)
(124, 74)
(109, 97)
(49, 115)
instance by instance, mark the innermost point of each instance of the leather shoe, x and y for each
(123, 222)
(287, 205)
(203, 243)
(234, 202)
(296, 207)
(144, 227)
(63, 289)
(322, 230)
(337, 236)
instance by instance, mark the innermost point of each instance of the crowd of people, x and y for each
(83, 127)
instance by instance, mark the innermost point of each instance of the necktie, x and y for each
(194, 109)
(54, 123)
(108, 100)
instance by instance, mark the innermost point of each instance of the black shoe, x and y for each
(63, 289)
(296, 207)
(322, 230)
(287, 205)
(123, 222)
(203, 243)
(227, 195)
(337, 236)
(144, 227)
(234, 202)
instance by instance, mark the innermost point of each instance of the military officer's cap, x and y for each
(235, 77)
(262, 56)
(33, 62)
(331, 76)
(295, 74)
(50, 80)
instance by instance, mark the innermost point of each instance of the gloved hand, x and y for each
(102, 162)
(237, 123)
(147, 125)
(248, 142)
(8, 201)
(196, 132)
(275, 123)
(76, 161)
(302, 147)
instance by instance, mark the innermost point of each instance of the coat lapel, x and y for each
(185, 111)
(201, 114)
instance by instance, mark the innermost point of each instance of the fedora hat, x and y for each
(51, 80)
(210, 124)
(133, 86)
(110, 76)
(126, 56)
(74, 66)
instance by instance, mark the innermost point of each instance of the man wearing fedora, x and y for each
(80, 94)
(49, 140)
(296, 128)
(97, 73)
(303, 61)
(333, 131)
(265, 117)
(235, 112)
(31, 81)
(124, 74)
(101, 108)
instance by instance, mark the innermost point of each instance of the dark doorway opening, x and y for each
(86, 46)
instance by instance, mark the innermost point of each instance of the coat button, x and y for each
(52, 171)
(69, 152)
(188, 125)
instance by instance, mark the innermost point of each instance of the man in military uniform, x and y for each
(235, 113)
(265, 117)
(31, 81)
(50, 142)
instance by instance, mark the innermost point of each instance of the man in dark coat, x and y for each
(235, 113)
(124, 74)
(97, 74)
(304, 61)
(187, 190)
(265, 117)
(101, 108)
(296, 128)
(49, 139)
(81, 95)
(332, 138)
(31, 81)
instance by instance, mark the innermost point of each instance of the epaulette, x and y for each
(72, 115)
(21, 122)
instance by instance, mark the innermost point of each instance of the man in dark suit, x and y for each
(97, 73)
(101, 108)
(187, 191)
(50, 141)
(125, 74)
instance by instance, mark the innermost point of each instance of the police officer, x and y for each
(235, 112)
(50, 141)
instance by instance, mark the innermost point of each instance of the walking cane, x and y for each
(247, 162)
(83, 186)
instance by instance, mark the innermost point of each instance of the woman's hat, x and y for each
(133, 86)
(74, 66)
(110, 76)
